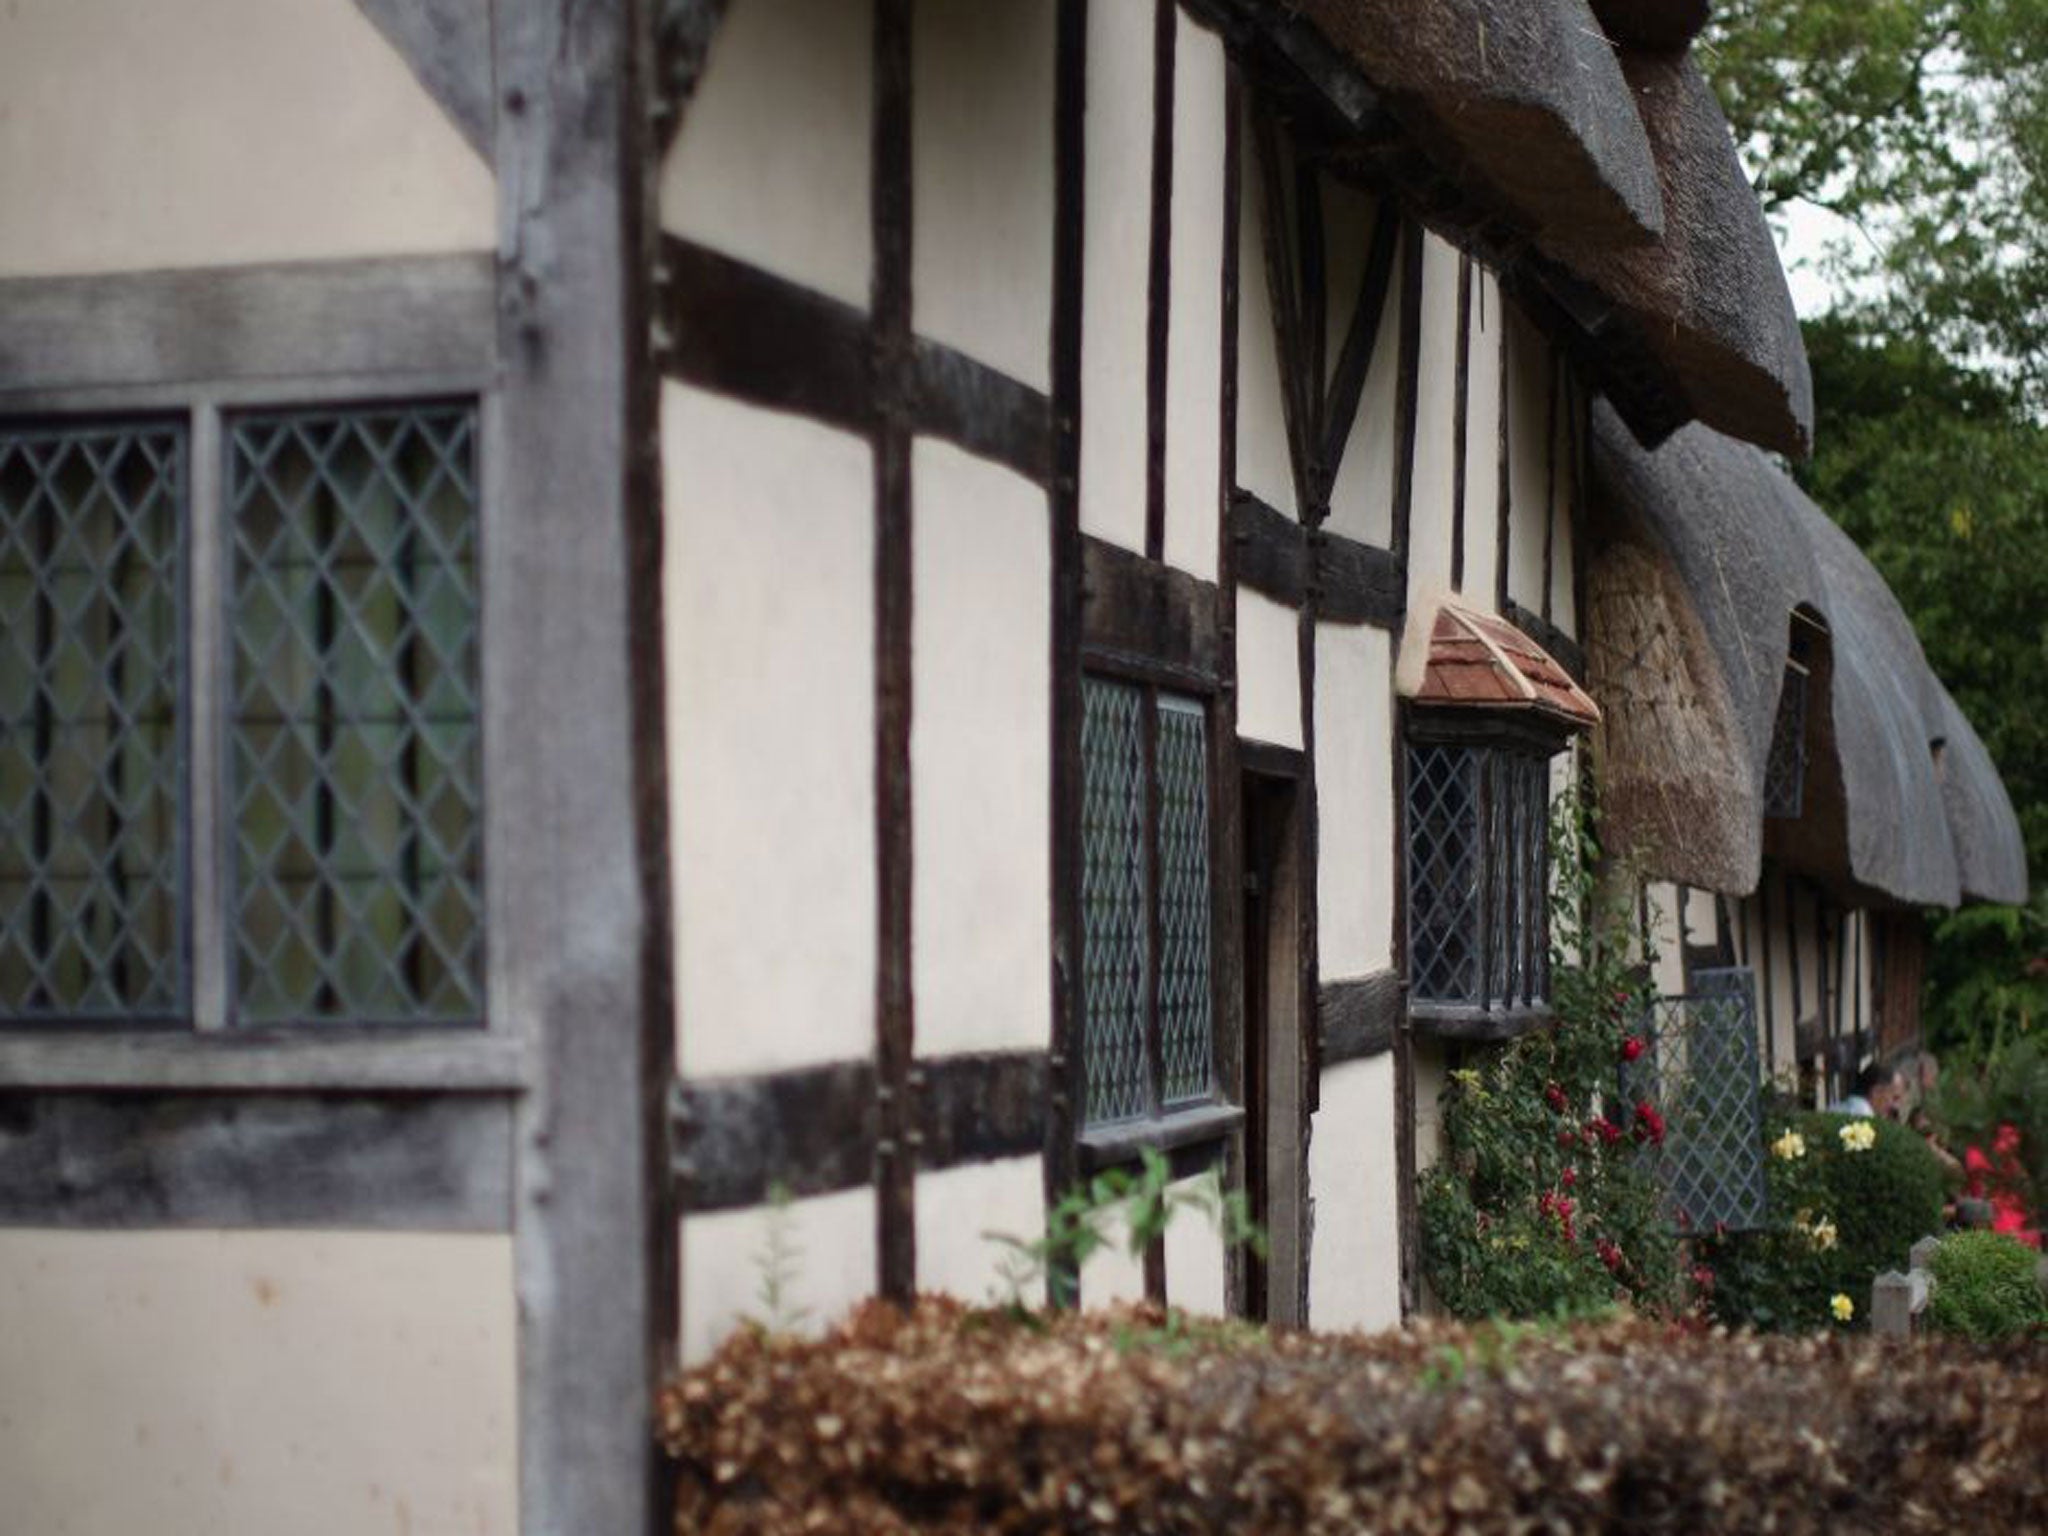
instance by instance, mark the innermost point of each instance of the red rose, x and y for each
(1703, 1277)
(1610, 1256)
(1554, 1097)
(1605, 1129)
(2006, 1141)
(1567, 1139)
(1631, 1048)
(1569, 1177)
(1649, 1125)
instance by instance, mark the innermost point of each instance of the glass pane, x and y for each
(1186, 1033)
(1443, 873)
(1113, 934)
(1785, 768)
(92, 625)
(354, 760)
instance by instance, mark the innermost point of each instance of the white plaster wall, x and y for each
(1116, 234)
(1362, 500)
(1429, 530)
(1113, 1273)
(1195, 1258)
(1529, 451)
(771, 164)
(1354, 1275)
(956, 1210)
(981, 754)
(982, 180)
(201, 1383)
(1482, 446)
(768, 597)
(827, 1263)
(1664, 938)
(1432, 1076)
(1268, 670)
(214, 132)
(1263, 467)
(1354, 800)
(1194, 317)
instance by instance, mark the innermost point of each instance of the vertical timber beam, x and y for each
(577, 936)
(1159, 275)
(1461, 416)
(1503, 502)
(895, 1024)
(1407, 386)
(1070, 86)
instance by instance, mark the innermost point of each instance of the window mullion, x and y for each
(1149, 852)
(1489, 785)
(205, 723)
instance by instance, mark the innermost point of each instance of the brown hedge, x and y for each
(949, 1419)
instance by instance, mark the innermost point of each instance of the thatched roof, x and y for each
(1602, 144)
(1527, 93)
(1708, 550)
(1991, 855)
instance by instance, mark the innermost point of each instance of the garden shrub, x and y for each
(1541, 1204)
(947, 1419)
(1841, 1215)
(1985, 1288)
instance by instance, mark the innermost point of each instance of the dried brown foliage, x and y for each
(947, 1419)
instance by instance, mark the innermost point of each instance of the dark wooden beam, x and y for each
(813, 1130)
(1556, 362)
(565, 823)
(1358, 1018)
(447, 46)
(1504, 489)
(1269, 550)
(1163, 622)
(431, 316)
(1361, 341)
(424, 1162)
(1357, 583)
(1159, 275)
(1461, 414)
(895, 1165)
(1407, 383)
(736, 329)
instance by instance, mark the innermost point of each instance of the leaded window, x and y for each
(1148, 1028)
(1478, 835)
(92, 768)
(333, 603)
(1785, 769)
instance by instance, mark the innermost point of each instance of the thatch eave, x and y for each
(1991, 853)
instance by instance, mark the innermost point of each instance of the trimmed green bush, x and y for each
(1984, 1288)
(1840, 1217)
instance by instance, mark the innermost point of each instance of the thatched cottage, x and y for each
(658, 642)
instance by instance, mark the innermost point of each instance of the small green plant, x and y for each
(776, 1264)
(1985, 1288)
(1143, 1202)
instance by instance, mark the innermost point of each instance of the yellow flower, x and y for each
(1823, 1234)
(1789, 1146)
(1842, 1307)
(1858, 1136)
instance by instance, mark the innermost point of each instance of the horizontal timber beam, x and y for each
(736, 329)
(1138, 615)
(1357, 1018)
(812, 1130)
(1351, 582)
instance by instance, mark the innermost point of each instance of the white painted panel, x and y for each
(771, 164)
(981, 755)
(957, 1209)
(213, 132)
(196, 1383)
(1268, 670)
(982, 180)
(1195, 1259)
(1194, 332)
(1482, 446)
(1354, 800)
(768, 595)
(1113, 1273)
(1263, 465)
(1429, 529)
(1530, 449)
(1116, 233)
(1669, 974)
(821, 1251)
(1362, 500)
(1354, 1274)
(1432, 1076)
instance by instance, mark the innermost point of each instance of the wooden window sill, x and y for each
(331, 1057)
(1105, 1146)
(1448, 1021)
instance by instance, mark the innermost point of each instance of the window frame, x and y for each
(201, 1050)
(1494, 737)
(1192, 1122)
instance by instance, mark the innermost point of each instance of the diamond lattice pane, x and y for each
(1113, 934)
(1702, 1068)
(354, 760)
(1443, 873)
(1186, 1032)
(92, 626)
(1785, 768)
